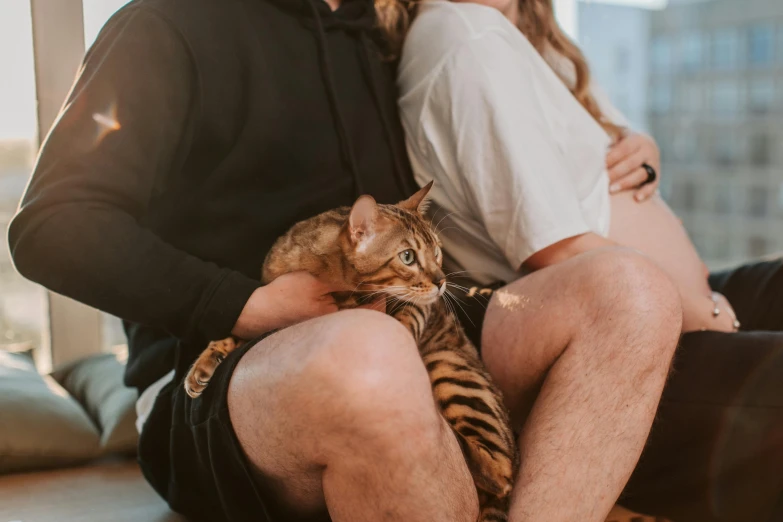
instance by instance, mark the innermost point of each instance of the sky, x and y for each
(17, 76)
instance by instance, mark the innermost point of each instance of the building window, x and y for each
(761, 44)
(725, 49)
(692, 52)
(758, 246)
(721, 247)
(661, 55)
(757, 202)
(723, 199)
(760, 149)
(691, 97)
(23, 305)
(725, 98)
(683, 196)
(725, 148)
(761, 95)
(661, 98)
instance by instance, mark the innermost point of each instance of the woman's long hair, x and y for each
(537, 22)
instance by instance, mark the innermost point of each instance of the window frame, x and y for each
(75, 330)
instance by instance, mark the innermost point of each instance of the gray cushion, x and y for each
(96, 382)
(41, 425)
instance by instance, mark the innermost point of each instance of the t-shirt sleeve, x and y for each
(491, 118)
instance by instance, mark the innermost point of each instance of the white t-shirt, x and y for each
(518, 163)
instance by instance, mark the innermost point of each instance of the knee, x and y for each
(369, 375)
(624, 285)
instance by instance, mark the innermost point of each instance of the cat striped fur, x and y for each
(392, 251)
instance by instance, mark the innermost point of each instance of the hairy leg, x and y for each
(581, 351)
(337, 413)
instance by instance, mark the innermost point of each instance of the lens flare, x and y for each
(107, 123)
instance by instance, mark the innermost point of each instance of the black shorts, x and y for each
(715, 453)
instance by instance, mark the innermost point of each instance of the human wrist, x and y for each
(256, 317)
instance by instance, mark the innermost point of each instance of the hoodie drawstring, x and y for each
(326, 72)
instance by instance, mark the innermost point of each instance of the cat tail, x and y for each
(493, 509)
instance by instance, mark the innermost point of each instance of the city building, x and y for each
(714, 105)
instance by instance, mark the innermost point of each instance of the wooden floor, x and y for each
(108, 492)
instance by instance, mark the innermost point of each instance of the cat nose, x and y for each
(441, 284)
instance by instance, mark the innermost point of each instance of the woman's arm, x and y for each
(122, 132)
(566, 249)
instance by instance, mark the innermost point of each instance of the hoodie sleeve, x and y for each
(125, 127)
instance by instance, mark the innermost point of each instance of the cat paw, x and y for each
(196, 381)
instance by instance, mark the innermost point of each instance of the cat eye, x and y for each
(407, 257)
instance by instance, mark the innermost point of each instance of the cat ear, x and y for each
(361, 221)
(418, 202)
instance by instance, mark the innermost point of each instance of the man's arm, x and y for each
(124, 129)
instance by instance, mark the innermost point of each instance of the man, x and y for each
(197, 133)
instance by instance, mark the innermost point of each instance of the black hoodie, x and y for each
(197, 132)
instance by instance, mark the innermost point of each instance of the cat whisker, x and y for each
(441, 220)
(456, 300)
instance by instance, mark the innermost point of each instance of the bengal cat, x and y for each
(392, 251)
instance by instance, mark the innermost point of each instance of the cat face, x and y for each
(394, 250)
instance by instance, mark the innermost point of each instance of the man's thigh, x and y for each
(715, 452)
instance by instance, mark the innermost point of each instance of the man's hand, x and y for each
(625, 160)
(288, 300)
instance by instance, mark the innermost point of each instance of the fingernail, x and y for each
(614, 188)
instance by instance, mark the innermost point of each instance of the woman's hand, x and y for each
(625, 160)
(288, 300)
(698, 313)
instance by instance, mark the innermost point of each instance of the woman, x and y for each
(533, 166)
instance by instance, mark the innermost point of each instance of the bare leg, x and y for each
(337, 413)
(581, 351)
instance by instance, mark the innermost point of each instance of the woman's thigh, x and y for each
(755, 291)
(715, 452)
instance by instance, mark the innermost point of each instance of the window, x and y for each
(96, 13)
(757, 202)
(684, 196)
(760, 149)
(725, 49)
(725, 147)
(691, 97)
(725, 98)
(721, 248)
(757, 246)
(761, 44)
(686, 146)
(692, 52)
(723, 199)
(661, 98)
(761, 95)
(23, 309)
(661, 55)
